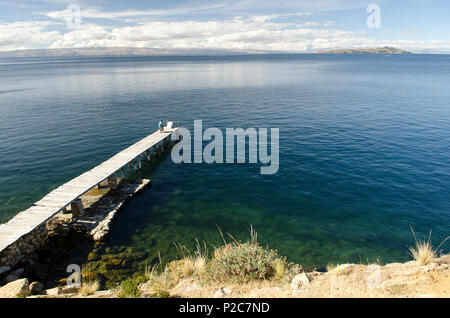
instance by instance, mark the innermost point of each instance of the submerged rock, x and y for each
(14, 275)
(4, 269)
(36, 288)
(19, 272)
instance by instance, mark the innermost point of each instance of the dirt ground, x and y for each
(347, 280)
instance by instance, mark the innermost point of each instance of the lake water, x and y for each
(364, 148)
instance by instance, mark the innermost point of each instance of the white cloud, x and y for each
(219, 7)
(293, 5)
(264, 18)
(236, 33)
(97, 13)
(24, 35)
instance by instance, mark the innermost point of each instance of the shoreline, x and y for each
(249, 270)
(64, 231)
(397, 280)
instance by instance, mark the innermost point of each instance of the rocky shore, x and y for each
(248, 269)
(409, 279)
(26, 265)
(235, 269)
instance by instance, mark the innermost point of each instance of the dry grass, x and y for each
(158, 283)
(151, 272)
(190, 263)
(200, 265)
(279, 268)
(187, 267)
(423, 251)
(89, 287)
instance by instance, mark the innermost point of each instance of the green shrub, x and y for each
(243, 262)
(160, 294)
(129, 288)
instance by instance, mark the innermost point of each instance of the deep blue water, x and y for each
(364, 147)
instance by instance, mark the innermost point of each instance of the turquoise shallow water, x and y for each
(364, 148)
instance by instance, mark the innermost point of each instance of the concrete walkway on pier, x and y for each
(69, 193)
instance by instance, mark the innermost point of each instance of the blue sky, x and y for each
(292, 26)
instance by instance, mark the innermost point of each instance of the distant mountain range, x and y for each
(381, 50)
(118, 51)
(81, 52)
(131, 51)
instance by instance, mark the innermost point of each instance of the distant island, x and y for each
(381, 50)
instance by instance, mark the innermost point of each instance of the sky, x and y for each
(250, 25)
